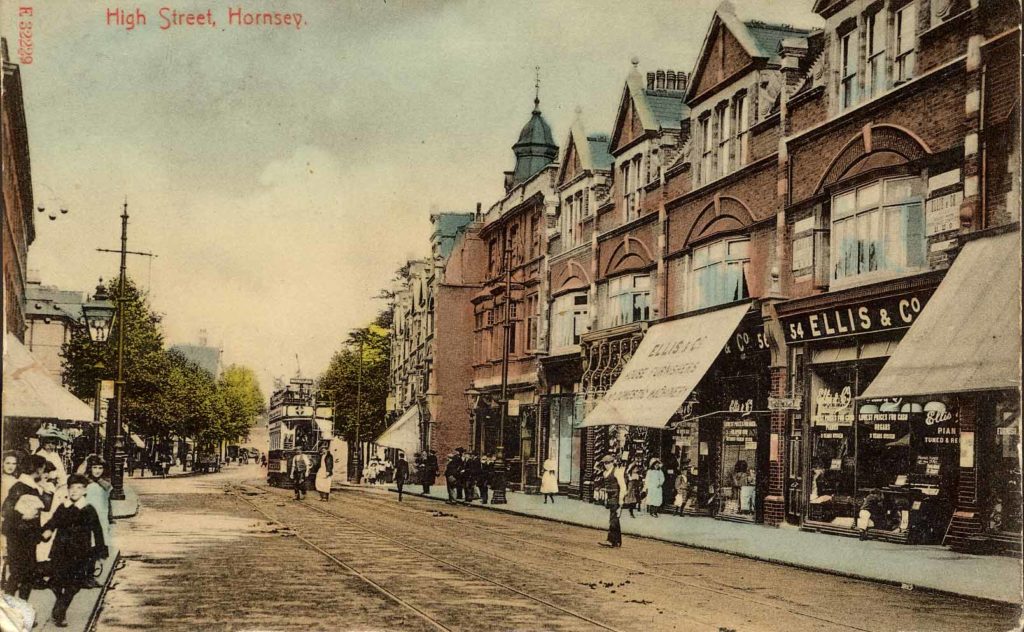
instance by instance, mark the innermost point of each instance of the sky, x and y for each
(281, 175)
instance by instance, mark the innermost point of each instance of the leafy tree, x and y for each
(357, 380)
(240, 390)
(145, 365)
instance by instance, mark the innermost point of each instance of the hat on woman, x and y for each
(607, 459)
(655, 460)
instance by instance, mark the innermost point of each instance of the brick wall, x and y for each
(775, 504)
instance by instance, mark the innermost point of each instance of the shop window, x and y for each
(569, 317)
(1002, 470)
(875, 31)
(629, 298)
(877, 230)
(906, 42)
(718, 273)
(848, 70)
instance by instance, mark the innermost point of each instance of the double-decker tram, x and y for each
(300, 420)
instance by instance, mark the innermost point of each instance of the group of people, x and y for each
(302, 468)
(56, 526)
(468, 473)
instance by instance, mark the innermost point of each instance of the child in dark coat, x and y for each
(21, 526)
(78, 542)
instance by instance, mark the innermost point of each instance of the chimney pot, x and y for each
(681, 80)
(650, 81)
(670, 80)
(660, 85)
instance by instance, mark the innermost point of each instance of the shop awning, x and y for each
(30, 392)
(967, 338)
(404, 434)
(669, 363)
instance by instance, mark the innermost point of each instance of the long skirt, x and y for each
(323, 482)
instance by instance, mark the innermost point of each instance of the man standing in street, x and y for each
(432, 470)
(401, 473)
(451, 477)
(299, 472)
(486, 471)
(470, 476)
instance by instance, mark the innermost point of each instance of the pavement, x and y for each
(85, 606)
(936, 568)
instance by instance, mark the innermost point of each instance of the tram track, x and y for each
(730, 592)
(421, 612)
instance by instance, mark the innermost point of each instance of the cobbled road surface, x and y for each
(225, 552)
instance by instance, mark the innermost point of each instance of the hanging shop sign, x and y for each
(883, 314)
(785, 403)
(942, 213)
(743, 431)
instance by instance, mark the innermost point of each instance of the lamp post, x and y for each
(500, 467)
(98, 314)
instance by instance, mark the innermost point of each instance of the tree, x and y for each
(359, 385)
(240, 390)
(145, 365)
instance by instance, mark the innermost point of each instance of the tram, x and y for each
(299, 421)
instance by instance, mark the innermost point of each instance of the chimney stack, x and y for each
(478, 206)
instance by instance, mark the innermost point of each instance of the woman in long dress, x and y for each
(549, 481)
(654, 481)
(325, 474)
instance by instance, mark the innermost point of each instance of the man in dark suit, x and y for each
(470, 475)
(401, 473)
(432, 470)
(452, 472)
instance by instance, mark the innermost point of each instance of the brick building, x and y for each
(18, 224)
(430, 346)
(51, 314)
(510, 310)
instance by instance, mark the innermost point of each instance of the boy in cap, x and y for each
(77, 543)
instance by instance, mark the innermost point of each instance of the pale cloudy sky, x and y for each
(282, 175)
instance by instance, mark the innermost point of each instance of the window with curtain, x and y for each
(876, 28)
(568, 320)
(718, 273)
(906, 40)
(628, 299)
(878, 229)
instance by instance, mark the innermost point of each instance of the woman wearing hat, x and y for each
(614, 484)
(653, 484)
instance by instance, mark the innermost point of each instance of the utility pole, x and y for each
(501, 467)
(115, 429)
(359, 405)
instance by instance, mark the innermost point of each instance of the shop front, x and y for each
(956, 375)
(693, 395)
(561, 413)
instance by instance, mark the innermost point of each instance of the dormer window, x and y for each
(630, 172)
(906, 41)
(707, 148)
(724, 132)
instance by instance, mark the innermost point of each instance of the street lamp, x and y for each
(98, 313)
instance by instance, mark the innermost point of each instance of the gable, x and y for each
(722, 57)
(571, 165)
(628, 126)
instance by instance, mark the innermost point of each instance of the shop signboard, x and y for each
(747, 340)
(785, 403)
(741, 431)
(882, 314)
(833, 408)
(942, 213)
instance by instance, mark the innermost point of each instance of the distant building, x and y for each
(445, 230)
(50, 316)
(205, 356)
(18, 226)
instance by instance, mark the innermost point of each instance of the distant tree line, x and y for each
(166, 395)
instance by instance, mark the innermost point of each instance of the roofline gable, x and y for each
(724, 17)
(632, 88)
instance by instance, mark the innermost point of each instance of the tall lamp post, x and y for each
(98, 313)
(501, 467)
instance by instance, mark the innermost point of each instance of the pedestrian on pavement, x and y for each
(263, 460)
(401, 473)
(299, 472)
(549, 481)
(653, 483)
(682, 488)
(451, 476)
(433, 469)
(9, 474)
(614, 485)
(77, 543)
(97, 493)
(634, 487)
(460, 473)
(486, 472)
(470, 475)
(325, 473)
(20, 525)
(419, 468)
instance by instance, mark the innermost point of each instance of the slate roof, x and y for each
(766, 37)
(600, 158)
(667, 107)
